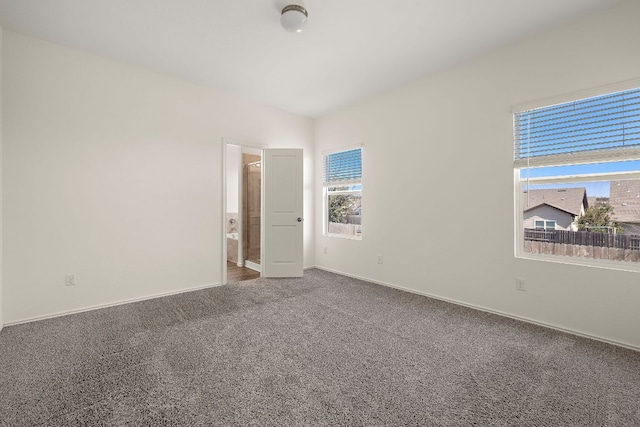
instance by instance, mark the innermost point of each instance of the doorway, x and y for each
(243, 216)
(275, 248)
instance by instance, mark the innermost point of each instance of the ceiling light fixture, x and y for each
(294, 18)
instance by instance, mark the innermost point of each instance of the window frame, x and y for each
(326, 192)
(567, 160)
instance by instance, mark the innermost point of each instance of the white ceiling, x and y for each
(350, 48)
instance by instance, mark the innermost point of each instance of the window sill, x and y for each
(585, 262)
(341, 236)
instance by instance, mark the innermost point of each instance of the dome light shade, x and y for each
(294, 18)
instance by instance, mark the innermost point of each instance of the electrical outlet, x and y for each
(325, 250)
(379, 259)
(520, 285)
(70, 280)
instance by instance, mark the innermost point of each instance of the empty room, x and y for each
(320, 212)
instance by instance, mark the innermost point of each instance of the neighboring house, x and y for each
(554, 209)
(624, 198)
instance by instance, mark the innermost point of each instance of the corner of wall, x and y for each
(1, 311)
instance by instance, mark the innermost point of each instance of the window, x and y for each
(342, 178)
(545, 225)
(577, 174)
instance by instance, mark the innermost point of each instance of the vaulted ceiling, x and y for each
(349, 49)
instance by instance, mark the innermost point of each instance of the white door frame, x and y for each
(261, 147)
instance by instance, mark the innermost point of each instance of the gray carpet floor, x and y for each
(321, 350)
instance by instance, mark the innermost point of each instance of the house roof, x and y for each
(570, 200)
(624, 197)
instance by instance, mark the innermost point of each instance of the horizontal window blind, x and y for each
(342, 167)
(597, 128)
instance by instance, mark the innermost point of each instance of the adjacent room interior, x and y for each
(464, 203)
(243, 212)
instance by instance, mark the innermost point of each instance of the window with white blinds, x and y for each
(577, 178)
(342, 167)
(342, 182)
(597, 128)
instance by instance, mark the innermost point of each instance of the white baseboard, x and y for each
(485, 309)
(110, 304)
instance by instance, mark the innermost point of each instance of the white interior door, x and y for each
(282, 213)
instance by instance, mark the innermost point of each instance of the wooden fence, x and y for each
(344, 229)
(584, 238)
(584, 244)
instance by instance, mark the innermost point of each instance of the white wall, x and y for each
(113, 172)
(1, 174)
(438, 198)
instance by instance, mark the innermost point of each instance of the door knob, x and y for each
(299, 219)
